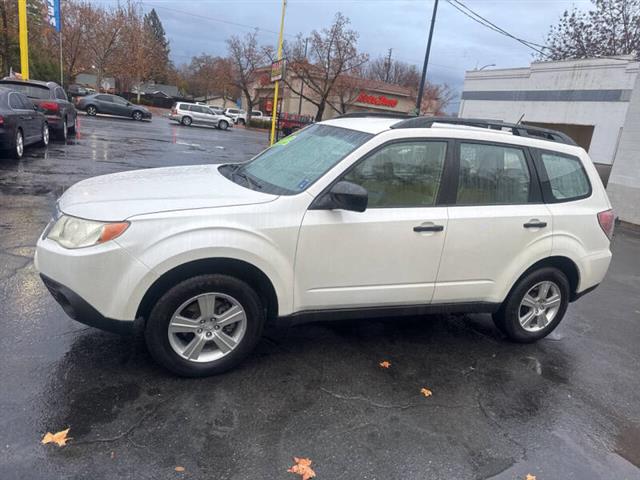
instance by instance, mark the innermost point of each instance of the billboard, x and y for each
(277, 70)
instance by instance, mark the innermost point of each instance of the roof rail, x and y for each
(376, 115)
(519, 129)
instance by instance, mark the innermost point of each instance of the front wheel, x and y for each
(535, 306)
(91, 110)
(18, 146)
(137, 115)
(204, 325)
(44, 139)
(186, 121)
(223, 125)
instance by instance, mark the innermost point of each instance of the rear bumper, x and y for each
(80, 310)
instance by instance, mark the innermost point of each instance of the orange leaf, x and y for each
(302, 468)
(59, 438)
(385, 364)
(530, 477)
(179, 469)
(427, 393)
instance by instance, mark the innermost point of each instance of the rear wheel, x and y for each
(223, 125)
(535, 306)
(241, 121)
(91, 110)
(18, 146)
(186, 121)
(204, 325)
(72, 128)
(45, 135)
(137, 115)
(63, 134)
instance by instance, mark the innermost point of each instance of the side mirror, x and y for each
(344, 196)
(35, 107)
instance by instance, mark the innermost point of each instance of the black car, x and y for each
(51, 100)
(112, 105)
(21, 123)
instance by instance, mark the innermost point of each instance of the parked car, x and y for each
(112, 105)
(237, 115)
(351, 217)
(51, 100)
(21, 123)
(75, 90)
(193, 114)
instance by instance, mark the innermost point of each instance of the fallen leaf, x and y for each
(530, 477)
(179, 469)
(385, 364)
(59, 438)
(303, 468)
(427, 393)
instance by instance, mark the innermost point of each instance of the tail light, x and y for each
(606, 220)
(50, 107)
(174, 111)
(1, 120)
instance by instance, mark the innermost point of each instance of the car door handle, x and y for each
(428, 228)
(535, 224)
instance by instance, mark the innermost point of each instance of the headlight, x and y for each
(72, 232)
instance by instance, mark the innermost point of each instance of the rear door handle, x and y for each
(535, 224)
(428, 228)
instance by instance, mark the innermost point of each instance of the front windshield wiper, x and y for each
(250, 183)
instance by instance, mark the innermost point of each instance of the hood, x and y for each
(119, 196)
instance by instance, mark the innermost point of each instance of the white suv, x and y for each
(197, 114)
(351, 217)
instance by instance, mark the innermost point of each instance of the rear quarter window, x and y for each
(564, 177)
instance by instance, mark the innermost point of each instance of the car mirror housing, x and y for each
(343, 196)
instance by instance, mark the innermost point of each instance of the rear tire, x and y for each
(91, 110)
(45, 135)
(63, 133)
(72, 128)
(535, 306)
(186, 121)
(179, 321)
(137, 115)
(223, 125)
(18, 145)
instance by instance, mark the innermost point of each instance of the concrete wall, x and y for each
(584, 92)
(624, 181)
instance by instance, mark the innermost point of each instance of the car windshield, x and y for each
(31, 91)
(297, 161)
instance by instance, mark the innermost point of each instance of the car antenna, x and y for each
(520, 119)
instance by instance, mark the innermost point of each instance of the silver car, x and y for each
(192, 114)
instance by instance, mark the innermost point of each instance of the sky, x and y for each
(459, 44)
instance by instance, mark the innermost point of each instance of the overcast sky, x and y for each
(202, 26)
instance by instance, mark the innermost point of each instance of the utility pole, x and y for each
(426, 58)
(387, 67)
(306, 43)
(274, 108)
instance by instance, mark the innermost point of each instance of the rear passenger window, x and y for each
(492, 175)
(401, 174)
(567, 178)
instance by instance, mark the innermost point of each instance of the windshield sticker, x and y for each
(303, 184)
(286, 140)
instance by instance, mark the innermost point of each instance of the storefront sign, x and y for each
(377, 100)
(277, 70)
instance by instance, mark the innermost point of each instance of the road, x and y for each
(565, 408)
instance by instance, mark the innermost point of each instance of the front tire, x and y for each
(204, 325)
(535, 306)
(44, 141)
(186, 121)
(91, 110)
(137, 116)
(18, 146)
(223, 125)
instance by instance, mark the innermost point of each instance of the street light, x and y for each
(485, 66)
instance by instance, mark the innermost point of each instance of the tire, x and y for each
(18, 145)
(186, 121)
(223, 125)
(91, 110)
(63, 133)
(171, 349)
(137, 115)
(526, 321)
(242, 121)
(45, 135)
(72, 128)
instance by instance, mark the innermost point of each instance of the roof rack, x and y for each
(404, 116)
(519, 129)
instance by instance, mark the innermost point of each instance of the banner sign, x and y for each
(53, 14)
(277, 70)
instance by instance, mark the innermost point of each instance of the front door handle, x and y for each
(535, 224)
(428, 228)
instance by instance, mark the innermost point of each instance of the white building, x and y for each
(596, 102)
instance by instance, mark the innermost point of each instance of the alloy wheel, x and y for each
(207, 327)
(65, 133)
(45, 134)
(137, 116)
(539, 306)
(19, 144)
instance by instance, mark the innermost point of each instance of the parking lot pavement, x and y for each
(565, 408)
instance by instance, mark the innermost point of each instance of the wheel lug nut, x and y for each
(199, 330)
(217, 327)
(209, 334)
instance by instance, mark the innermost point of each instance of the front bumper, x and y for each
(80, 310)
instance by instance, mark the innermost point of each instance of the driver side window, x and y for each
(406, 174)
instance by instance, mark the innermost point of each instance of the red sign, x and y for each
(377, 100)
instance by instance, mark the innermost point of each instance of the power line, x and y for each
(465, 10)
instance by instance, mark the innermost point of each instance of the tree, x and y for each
(158, 48)
(611, 28)
(435, 99)
(386, 69)
(246, 57)
(332, 54)
(104, 38)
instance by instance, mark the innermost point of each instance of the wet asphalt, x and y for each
(565, 408)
